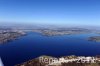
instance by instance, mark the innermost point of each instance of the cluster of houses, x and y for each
(69, 59)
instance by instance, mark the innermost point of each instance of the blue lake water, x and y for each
(35, 44)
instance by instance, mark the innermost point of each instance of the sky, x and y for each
(58, 12)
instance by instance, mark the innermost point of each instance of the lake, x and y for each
(34, 45)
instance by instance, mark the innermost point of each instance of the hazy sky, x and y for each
(65, 12)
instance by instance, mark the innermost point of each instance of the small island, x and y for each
(94, 38)
(61, 31)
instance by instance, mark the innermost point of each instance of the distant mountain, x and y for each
(13, 25)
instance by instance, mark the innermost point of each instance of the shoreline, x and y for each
(62, 61)
(7, 36)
